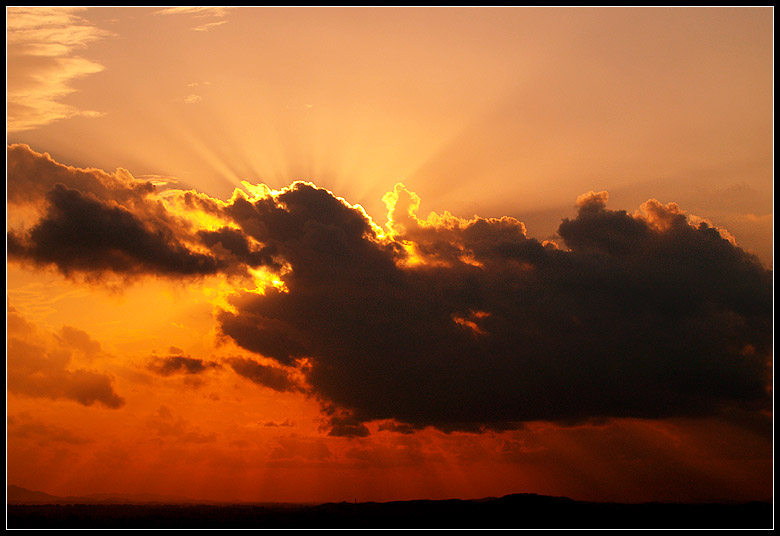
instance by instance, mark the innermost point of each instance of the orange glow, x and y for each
(471, 321)
(265, 278)
(426, 125)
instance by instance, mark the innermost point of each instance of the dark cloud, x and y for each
(233, 243)
(470, 324)
(342, 422)
(276, 378)
(38, 366)
(79, 340)
(177, 363)
(36, 371)
(91, 223)
(274, 424)
(79, 233)
(398, 428)
(445, 322)
(31, 175)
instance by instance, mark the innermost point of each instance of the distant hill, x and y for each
(20, 495)
(35, 509)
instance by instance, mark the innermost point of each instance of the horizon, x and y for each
(152, 498)
(292, 255)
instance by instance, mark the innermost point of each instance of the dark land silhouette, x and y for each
(39, 510)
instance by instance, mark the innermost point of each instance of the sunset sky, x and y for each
(326, 254)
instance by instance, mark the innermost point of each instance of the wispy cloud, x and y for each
(208, 26)
(42, 63)
(217, 12)
(192, 99)
(202, 11)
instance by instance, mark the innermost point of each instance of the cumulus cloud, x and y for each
(460, 324)
(94, 222)
(234, 243)
(80, 234)
(275, 378)
(31, 175)
(42, 63)
(79, 340)
(40, 366)
(466, 324)
(177, 362)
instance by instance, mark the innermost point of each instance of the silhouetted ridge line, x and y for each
(510, 511)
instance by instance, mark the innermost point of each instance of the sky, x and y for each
(326, 254)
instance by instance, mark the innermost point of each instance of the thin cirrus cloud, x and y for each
(208, 26)
(43, 61)
(462, 325)
(200, 12)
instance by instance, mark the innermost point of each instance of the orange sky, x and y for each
(169, 334)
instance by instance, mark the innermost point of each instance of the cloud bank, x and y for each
(446, 322)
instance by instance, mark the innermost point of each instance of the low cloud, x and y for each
(347, 427)
(38, 366)
(25, 427)
(470, 324)
(300, 450)
(94, 223)
(79, 340)
(274, 378)
(459, 324)
(32, 175)
(273, 424)
(179, 363)
(177, 429)
(81, 234)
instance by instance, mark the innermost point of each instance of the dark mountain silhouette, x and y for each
(20, 495)
(35, 509)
